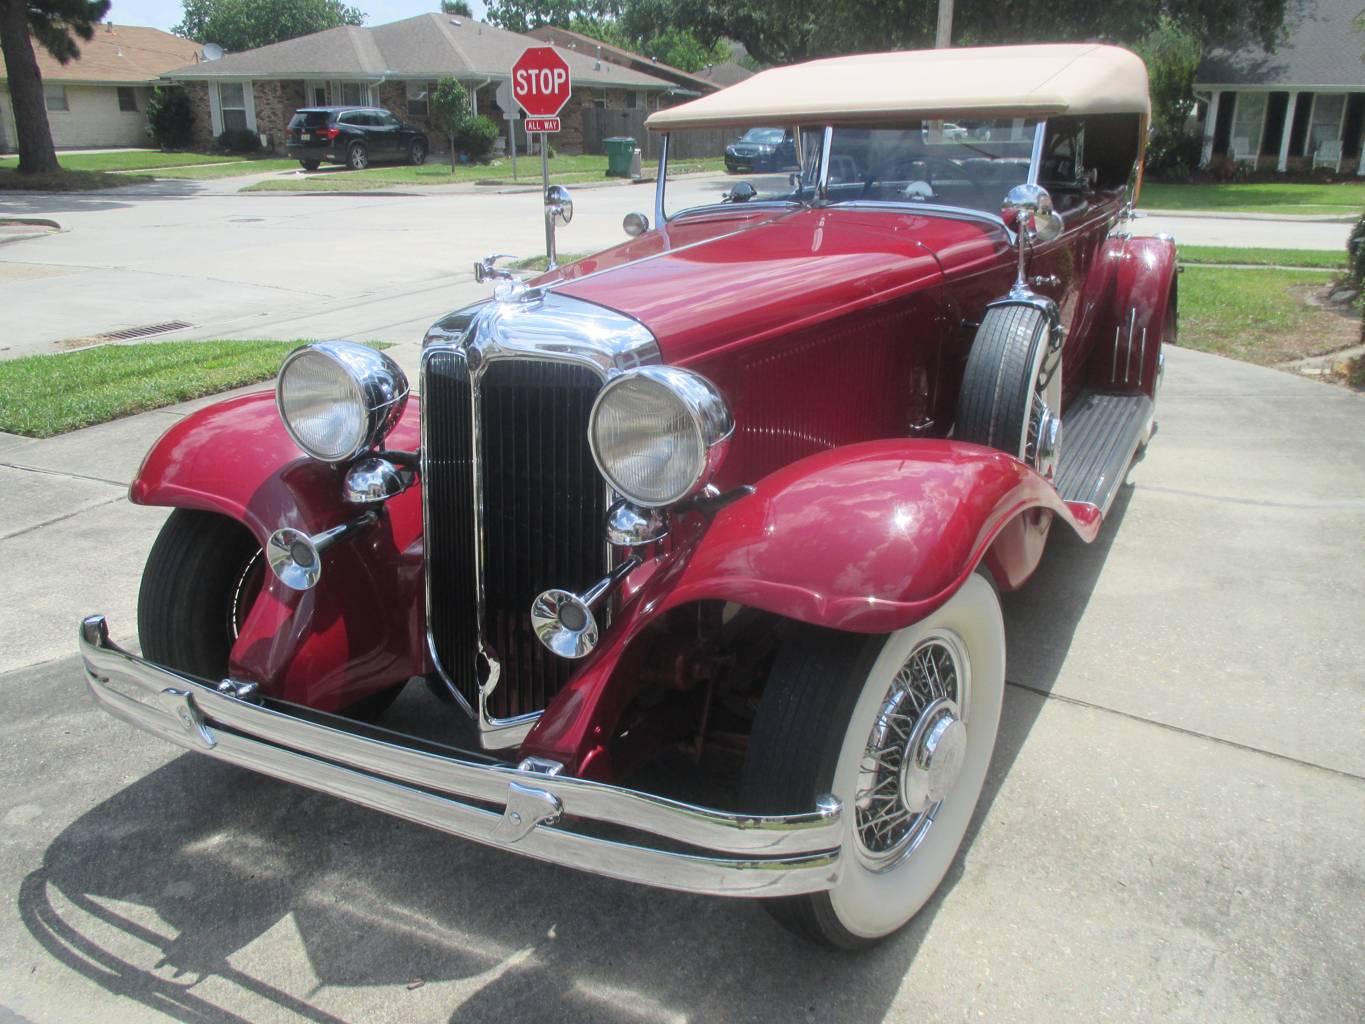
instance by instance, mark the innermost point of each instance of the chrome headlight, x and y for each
(338, 399)
(657, 434)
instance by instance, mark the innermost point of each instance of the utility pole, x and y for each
(944, 38)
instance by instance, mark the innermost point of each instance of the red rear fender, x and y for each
(361, 628)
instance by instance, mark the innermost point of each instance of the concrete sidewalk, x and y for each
(1171, 828)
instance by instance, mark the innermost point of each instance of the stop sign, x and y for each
(540, 81)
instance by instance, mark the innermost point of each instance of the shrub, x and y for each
(170, 119)
(1355, 253)
(477, 137)
(239, 140)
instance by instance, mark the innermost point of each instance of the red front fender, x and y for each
(868, 538)
(361, 628)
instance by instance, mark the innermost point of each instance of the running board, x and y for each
(1100, 433)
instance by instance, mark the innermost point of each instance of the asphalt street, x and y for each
(1170, 829)
(384, 267)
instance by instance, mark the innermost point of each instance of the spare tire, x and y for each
(1011, 394)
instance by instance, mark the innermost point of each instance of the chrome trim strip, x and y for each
(1114, 363)
(933, 209)
(1128, 352)
(736, 854)
(1142, 356)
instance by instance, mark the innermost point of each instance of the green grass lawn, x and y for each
(236, 168)
(67, 181)
(127, 160)
(50, 394)
(1259, 316)
(1260, 197)
(563, 169)
(1327, 259)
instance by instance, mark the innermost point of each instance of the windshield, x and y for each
(763, 136)
(962, 163)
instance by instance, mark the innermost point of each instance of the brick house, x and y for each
(394, 66)
(1298, 108)
(100, 98)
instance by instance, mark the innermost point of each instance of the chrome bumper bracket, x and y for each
(533, 812)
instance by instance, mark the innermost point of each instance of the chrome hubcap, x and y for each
(914, 752)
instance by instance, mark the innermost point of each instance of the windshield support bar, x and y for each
(1035, 162)
(659, 185)
(822, 188)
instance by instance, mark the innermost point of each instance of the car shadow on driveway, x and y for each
(212, 894)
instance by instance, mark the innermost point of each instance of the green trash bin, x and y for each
(620, 152)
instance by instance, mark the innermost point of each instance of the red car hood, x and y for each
(712, 281)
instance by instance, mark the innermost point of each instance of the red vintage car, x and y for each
(703, 534)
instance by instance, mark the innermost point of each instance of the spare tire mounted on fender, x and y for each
(1011, 395)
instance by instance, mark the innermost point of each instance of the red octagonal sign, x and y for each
(540, 81)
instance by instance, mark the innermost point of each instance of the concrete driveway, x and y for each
(1171, 829)
(282, 265)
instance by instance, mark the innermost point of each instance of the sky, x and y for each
(165, 13)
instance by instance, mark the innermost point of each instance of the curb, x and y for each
(1307, 218)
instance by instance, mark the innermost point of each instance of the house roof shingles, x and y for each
(579, 43)
(117, 54)
(1322, 48)
(428, 45)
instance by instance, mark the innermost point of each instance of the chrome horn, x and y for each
(565, 622)
(296, 558)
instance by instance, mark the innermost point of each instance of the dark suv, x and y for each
(354, 136)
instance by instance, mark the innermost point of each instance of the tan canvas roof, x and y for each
(987, 81)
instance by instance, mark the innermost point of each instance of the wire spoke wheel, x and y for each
(907, 754)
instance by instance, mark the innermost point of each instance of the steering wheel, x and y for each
(946, 168)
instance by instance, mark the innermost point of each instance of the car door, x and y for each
(395, 138)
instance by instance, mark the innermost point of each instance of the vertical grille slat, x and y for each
(543, 508)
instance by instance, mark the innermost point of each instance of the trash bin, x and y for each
(620, 151)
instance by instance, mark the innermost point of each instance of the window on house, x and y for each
(417, 93)
(55, 97)
(232, 100)
(632, 98)
(1326, 123)
(127, 99)
(353, 93)
(1246, 123)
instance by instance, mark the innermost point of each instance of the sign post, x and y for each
(540, 84)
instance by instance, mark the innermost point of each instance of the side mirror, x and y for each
(741, 193)
(1030, 208)
(558, 204)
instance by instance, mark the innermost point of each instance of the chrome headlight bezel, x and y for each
(705, 409)
(378, 387)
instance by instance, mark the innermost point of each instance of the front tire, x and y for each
(357, 157)
(203, 574)
(926, 701)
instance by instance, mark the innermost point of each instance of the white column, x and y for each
(1210, 126)
(1287, 131)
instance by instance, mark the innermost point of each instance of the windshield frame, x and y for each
(819, 194)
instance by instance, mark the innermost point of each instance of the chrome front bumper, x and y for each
(546, 817)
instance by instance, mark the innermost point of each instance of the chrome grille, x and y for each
(543, 508)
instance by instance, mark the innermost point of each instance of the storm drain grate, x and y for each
(142, 332)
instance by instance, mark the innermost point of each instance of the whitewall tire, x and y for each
(900, 728)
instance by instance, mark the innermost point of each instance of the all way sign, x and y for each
(541, 124)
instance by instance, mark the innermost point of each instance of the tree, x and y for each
(450, 112)
(238, 25)
(52, 23)
(524, 15)
(458, 8)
